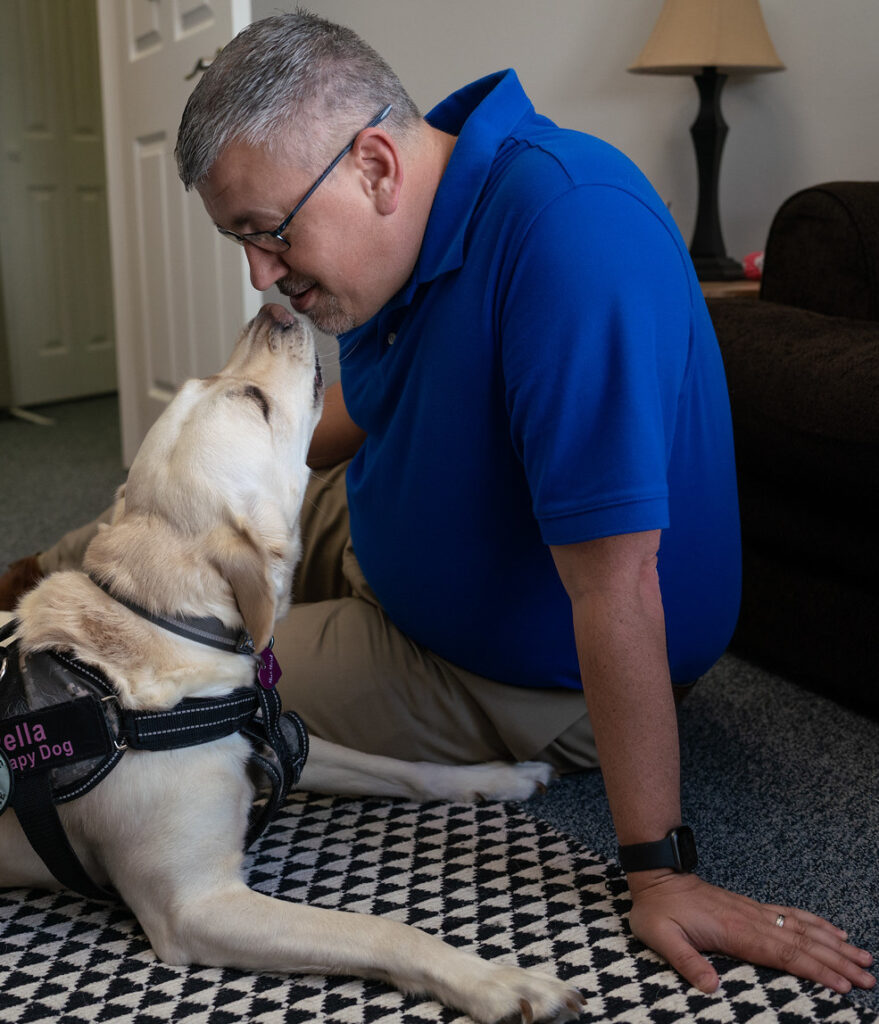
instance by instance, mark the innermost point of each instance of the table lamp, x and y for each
(709, 39)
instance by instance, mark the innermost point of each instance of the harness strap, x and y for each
(270, 728)
(37, 814)
(194, 720)
(260, 816)
(38, 817)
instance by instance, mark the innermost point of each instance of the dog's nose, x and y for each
(272, 311)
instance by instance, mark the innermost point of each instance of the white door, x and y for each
(54, 246)
(181, 292)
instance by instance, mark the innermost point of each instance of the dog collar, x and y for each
(208, 630)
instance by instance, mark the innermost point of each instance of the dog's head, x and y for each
(223, 471)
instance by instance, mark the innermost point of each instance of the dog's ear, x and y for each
(245, 564)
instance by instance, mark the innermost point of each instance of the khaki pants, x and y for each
(357, 680)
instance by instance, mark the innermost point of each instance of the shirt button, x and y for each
(392, 337)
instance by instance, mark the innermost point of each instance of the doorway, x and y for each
(56, 332)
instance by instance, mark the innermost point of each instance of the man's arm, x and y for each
(620, 631)
(337, 436)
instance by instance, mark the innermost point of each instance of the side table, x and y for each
(730, 289)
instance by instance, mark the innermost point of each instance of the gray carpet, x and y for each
(780, 786)
(57, 477)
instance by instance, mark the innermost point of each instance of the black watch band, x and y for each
(676, 851)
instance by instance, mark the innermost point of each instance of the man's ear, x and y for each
(245, 564)
(381, 169)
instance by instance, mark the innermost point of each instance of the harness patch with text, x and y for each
(52, 737)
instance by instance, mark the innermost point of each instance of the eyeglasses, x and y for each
(274, 241)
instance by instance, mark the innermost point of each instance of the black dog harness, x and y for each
(62, 730)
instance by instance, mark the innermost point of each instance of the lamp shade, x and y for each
(690, 35)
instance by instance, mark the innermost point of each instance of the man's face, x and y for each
(330, 273)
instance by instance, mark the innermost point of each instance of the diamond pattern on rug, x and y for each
(485, 877)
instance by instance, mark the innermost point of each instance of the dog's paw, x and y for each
(527, 778)
(499, 781)
(510, 995)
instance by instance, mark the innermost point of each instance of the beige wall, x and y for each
(814, 122)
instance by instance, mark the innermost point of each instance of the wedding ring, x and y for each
(779, 921)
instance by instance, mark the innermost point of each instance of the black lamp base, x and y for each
(718, 268)
(709, 133)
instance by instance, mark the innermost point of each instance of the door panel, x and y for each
(181, 294)
(54, 244)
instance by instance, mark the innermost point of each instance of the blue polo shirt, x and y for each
(548, 375)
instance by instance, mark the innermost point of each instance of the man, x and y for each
(541, 495)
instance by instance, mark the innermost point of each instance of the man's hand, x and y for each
(680, 915)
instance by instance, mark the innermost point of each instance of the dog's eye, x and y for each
(255, 394)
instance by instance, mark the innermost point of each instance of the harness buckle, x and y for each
(245, 644)
(123, 746)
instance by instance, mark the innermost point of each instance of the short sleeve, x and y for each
(594, 335)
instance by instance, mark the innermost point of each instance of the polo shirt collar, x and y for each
(481, 115)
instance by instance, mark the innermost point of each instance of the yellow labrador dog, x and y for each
(202, 548)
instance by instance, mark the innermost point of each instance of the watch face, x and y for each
(684, 847)
(6, 781)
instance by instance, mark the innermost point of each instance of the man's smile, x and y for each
(298, 293)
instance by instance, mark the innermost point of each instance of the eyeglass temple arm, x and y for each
(372, 124)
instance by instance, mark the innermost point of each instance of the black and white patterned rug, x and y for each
(488, 878)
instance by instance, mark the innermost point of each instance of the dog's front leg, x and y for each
(172, 838)
(234, 926)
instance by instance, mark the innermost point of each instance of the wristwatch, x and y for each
(677, 851)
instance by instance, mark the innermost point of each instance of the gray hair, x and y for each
(289, 82)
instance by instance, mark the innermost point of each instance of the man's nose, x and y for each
(265, 267)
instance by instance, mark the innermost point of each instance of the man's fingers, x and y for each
(821, 931)
(682, 916)
(817, 930)
(804, 945)
(792, 916)
(811, 959)
(810, 951)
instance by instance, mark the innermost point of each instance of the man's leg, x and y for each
(357, 680)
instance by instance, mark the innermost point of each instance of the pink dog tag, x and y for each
(269, 671)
